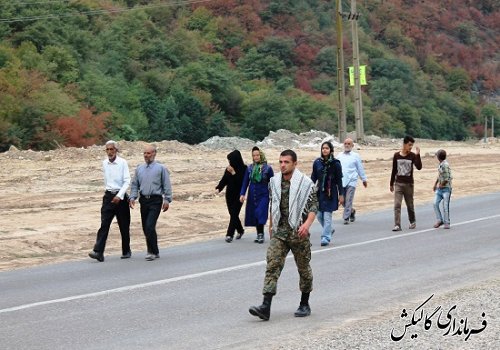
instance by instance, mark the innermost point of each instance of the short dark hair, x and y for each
(255, 148)
(289, 152)
(407, 139)
(441, 154)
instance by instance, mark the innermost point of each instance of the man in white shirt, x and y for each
(114, 202)
(352, 168)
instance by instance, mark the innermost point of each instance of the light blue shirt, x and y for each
(352, 168)
(116, 176)
(151, 179)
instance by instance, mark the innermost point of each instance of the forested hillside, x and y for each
(75, 72)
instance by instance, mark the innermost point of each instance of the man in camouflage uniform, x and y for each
(293, 208)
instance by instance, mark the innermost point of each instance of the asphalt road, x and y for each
(196, 296)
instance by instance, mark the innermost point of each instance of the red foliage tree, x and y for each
(86, 129)
(219, 7)
(303, 79)
(305, 54)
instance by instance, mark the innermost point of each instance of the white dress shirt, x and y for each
(116, 176)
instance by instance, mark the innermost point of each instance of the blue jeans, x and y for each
(442, 195)
(325, 219)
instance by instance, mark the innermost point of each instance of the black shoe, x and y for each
(263, 311)
(239, 235)
(229, 239)
(260, 238)
(303, 311)
(97, 256)
(127, 255)
(353, 215)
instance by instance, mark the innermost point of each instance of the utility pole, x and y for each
(492, 126)
(340, 74)
(485, 129)
(358, 104)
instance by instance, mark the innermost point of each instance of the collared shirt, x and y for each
(444, 172)
(151, 179)
(116, 176)
(352, 168)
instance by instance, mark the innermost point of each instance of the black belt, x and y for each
(151, 196)
(112, 192)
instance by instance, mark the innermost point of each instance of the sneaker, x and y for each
(127, 255)
(229, 239)
(413, 225)
(346, 222)
(151, 256)
(446, 226)
(303, 311)
(437, 224)
(396, 228)
(239, 235)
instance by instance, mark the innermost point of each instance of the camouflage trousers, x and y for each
(276, 256)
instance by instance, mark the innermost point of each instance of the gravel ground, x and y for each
(374, 331)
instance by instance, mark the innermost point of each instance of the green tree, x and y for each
(265, 111)
(255, 65)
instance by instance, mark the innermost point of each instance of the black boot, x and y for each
(304, 308)
(263, 311)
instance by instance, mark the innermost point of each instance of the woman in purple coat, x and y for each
(256, 180)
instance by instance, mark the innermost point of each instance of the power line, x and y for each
(99, 12)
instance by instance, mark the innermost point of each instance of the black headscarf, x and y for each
(236, 161)
(328, 170)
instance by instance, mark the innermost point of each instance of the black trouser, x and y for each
(108, 211)
(260, 228)
(234, 222)
(150, 211)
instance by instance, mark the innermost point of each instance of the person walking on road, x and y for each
(327, 172)
(352, 168)
(256, 180)
(293, 209)
(442, 188)
(232, 181)
(151, 184)
(401, 183)
(114, 202)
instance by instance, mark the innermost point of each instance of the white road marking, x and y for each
(217, 271)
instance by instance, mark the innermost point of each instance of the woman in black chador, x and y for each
(233, 179)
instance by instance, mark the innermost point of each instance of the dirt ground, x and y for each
(50, 201)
